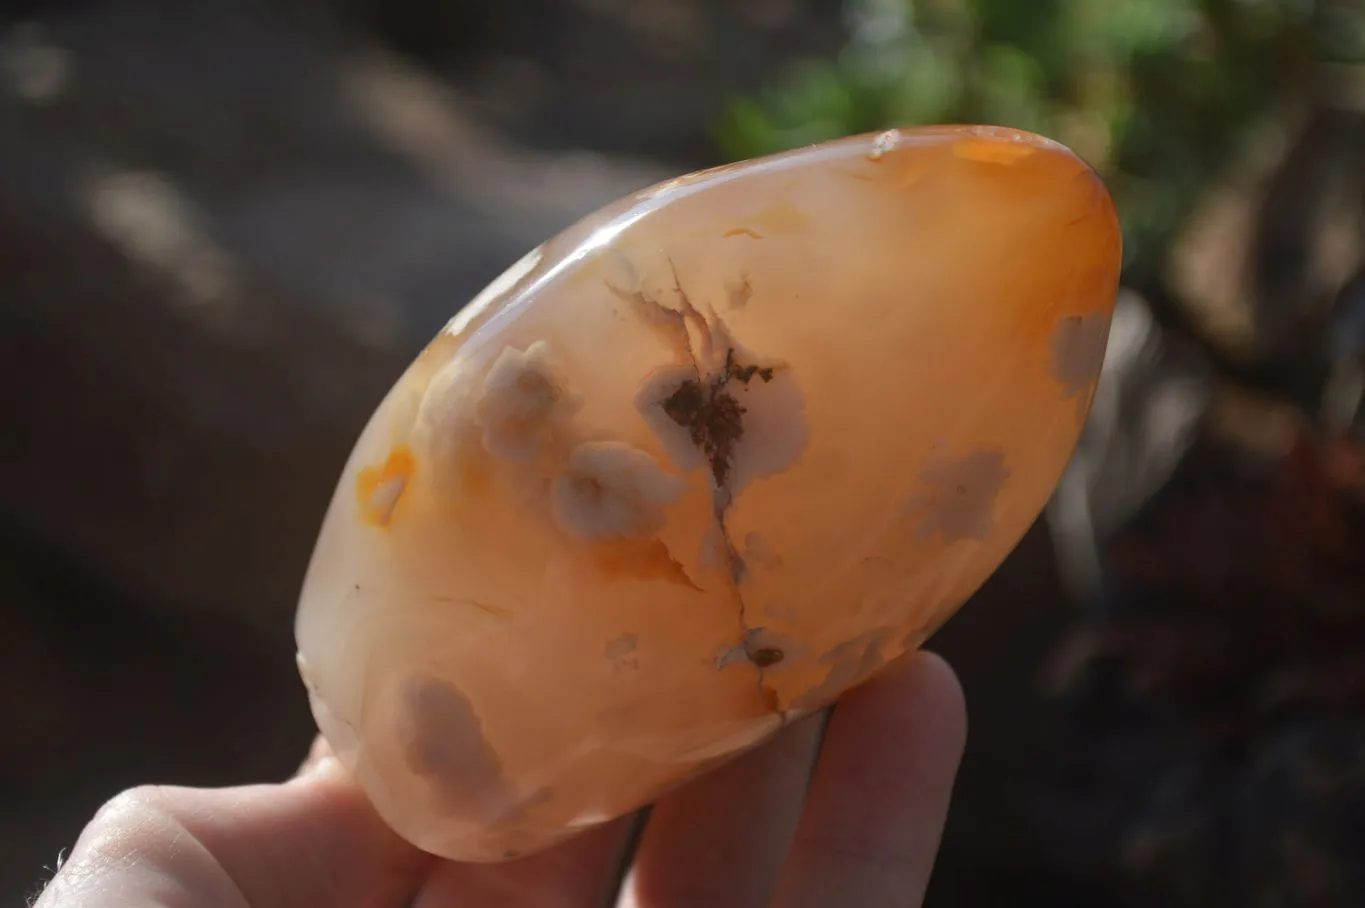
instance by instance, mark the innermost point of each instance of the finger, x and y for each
(720, 841)
(581, 873)
(880, 794)
(312, 841)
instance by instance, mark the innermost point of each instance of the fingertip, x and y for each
(933, 692)
(881, 790)
(920, 695)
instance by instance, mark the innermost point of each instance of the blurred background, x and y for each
(226, 226)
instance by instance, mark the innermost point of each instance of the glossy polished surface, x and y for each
(697, 466)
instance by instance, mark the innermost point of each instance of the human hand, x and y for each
(863, 830)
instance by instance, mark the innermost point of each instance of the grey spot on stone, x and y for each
(649, 403)
(757, 551)
(850, 663)
(1078, 345)
(442, 741)
(775, 430)
(622, 653)
(623, 645)
(959, 502)
(515, 814)
(727, 656)
(741, 415)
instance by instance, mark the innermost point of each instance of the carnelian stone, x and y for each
(697, 466)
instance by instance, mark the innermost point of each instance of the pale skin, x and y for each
(792, 824)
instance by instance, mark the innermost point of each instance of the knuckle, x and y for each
(134, 806)
(134, 819)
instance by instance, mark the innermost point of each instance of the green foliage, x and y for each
(1157, 94)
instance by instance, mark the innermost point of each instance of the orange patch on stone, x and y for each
(641, 560)
(380, 490)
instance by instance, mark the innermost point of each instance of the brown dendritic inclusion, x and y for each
(697, 466)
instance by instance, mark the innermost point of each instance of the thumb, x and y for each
(314, 840)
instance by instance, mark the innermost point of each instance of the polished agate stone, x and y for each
(696, 467)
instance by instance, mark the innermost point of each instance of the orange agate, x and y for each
(696, 467)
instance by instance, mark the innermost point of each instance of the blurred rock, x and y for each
(1209, 746)
(644, 76)
(1343, 400)
(1267, 251)
(222, 235)
(1153, 392)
